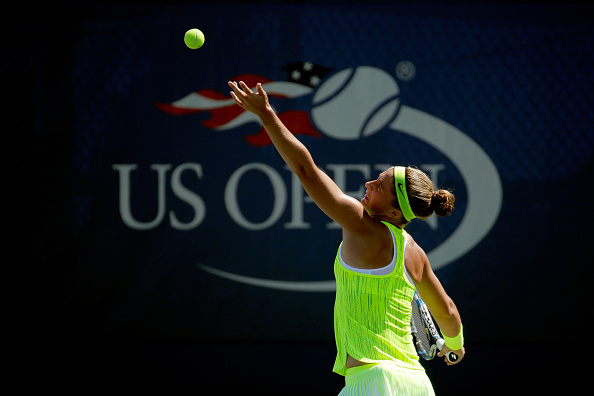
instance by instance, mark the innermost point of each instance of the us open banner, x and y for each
(175, 218)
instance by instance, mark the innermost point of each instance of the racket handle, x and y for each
(451, 356)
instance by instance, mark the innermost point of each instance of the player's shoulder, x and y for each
(415, 259)
(412, 245)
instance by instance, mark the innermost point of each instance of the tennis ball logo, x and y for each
(355, 103)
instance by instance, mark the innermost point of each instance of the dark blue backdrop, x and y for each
(143, 223)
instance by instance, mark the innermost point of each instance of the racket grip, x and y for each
(451, 356)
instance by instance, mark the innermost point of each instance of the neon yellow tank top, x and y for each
(372, 313)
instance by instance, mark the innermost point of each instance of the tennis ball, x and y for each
(194, 38)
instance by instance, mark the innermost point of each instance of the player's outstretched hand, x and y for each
(255, 102)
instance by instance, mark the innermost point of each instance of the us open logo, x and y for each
(336, 112)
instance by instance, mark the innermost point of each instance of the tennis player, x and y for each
(377, 267)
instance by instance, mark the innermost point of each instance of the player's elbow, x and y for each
(307, 172)
(449, 313)
(304, 173)
(452, 310)
(450, 321)
(303, 166)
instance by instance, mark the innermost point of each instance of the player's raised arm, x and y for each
(290, 148)
(341, 208)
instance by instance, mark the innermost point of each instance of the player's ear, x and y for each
(395, 213)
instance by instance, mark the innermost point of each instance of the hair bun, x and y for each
(442, 202)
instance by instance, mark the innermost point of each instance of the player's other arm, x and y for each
(440, 305)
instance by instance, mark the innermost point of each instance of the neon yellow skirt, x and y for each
(386, 378)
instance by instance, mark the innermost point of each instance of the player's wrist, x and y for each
(454, 343)
(265, 113)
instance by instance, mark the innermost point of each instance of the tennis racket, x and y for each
(424, 331)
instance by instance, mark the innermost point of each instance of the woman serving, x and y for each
(378, 265)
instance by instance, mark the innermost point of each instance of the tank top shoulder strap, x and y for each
(399, 238)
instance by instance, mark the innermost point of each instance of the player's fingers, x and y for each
(237, 90)
(261, 90)
(234, 86)
(236, 99)
(245, 88)
(443, 351)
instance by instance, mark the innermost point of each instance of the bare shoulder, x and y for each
(413, 249)
(415, 259)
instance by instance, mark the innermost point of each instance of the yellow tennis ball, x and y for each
(194, 38)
